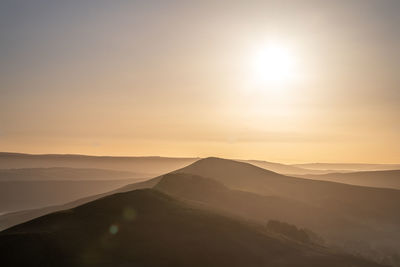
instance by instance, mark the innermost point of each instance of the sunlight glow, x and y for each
(273, 65)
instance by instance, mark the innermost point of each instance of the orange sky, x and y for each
(173, 78)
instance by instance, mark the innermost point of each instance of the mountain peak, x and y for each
(223, 166)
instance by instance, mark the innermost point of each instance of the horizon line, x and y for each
(186, 157)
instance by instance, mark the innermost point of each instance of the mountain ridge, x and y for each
(381, 178)
(128, 224)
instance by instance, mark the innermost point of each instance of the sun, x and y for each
(274, 65)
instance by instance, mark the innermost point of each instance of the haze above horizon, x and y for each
(282, 81)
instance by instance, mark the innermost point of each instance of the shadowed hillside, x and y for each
(347, 215)
(339, 197)
(216, 196)
(147, 228)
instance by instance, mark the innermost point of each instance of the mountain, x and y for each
(348, 167)
(384, 179)
(356, 219)
(147, 166)
(245, 177)
(215, 196)
(149, 228)
(360, 219)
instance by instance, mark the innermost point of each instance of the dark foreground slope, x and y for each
(148, 228)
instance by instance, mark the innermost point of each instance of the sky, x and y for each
(177, 78)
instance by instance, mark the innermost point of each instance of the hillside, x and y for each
(147, 228)
(346, 216)
(341, 197)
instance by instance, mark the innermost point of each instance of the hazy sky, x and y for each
(174, 78)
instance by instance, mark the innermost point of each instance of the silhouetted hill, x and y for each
(347, 215)
(213, 195)
(384, 179)
(367, 203)
(333, 223)
(148, 228)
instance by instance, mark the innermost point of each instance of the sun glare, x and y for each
(273, 65)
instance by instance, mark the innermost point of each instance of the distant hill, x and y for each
(384, 179)
(22, 189)
(69, 174)
(148, 228)
(23, 195)
(346, 167)
(147, 166)
(285, 168)
(151, 166)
